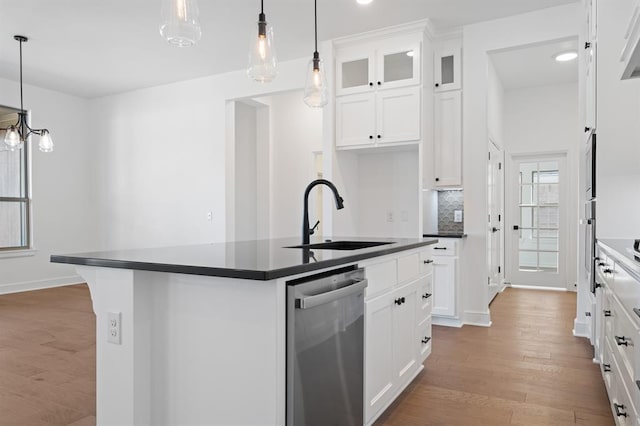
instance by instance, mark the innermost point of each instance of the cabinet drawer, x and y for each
(426, 262)
(425, 297)
(623, 339)
(381, 276)
(424, 339)
(408, 267)
(607, 369)
(443, 248)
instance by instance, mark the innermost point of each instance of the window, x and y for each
(15, 202)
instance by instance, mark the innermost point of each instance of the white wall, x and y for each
(618, 127)
(495, 106)
(63, 188)
(246, 180)
(544, 120)
(478, 39)
(162, 156)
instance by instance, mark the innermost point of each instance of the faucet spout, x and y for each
(306, 232)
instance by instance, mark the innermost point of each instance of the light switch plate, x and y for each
(114, 328)
(457, 215)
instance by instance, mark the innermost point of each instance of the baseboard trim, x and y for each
(446, 321)
(40, 284)
(581, 329)
(535, 287)
(480, 319)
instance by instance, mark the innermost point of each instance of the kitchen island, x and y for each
(197, 334)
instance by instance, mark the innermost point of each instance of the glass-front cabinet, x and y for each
(447, 72)
(354, 71)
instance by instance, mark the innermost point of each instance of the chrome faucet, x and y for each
(306, 232)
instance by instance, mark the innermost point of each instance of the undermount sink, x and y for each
(341, 245)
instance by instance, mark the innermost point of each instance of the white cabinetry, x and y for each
(448, 139)
(444, 256)
(397, 327)
(447, 71)
(378, 92)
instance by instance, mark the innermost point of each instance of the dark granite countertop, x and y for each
(622, 251)
(446, 235)
(255, 260)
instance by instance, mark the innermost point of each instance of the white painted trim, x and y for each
(446, 321)
(18, 253)
(403, 29)
(535, 287)
(580, 329)
(480, 319)
(40, 284)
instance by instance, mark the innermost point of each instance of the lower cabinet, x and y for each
(397, 338)
(444, 274)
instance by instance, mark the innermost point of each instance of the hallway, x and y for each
(526, 369)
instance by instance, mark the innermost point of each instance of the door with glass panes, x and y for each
(537, 230)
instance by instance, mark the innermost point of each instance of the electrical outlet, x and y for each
(209, 216)
(457, 215)
(114, 329)
(390, 216)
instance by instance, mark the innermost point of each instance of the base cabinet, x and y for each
(444, 292)
(397, 329)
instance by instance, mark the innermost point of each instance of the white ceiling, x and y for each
(534, 66)
(93, 48)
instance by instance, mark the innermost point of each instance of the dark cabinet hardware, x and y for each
(596, 258)
(398, 301)
(437, 179)
(622, 341)
(602, 264)
(606, 367)
(586, 129)
(587, 314)
(607, 313)
(437, 84)
(379, 136)
(379, 83)
(428, 261)
(516, 227)
(636, 311)
(638, 383)
(587, 45)
(426, 295)
(439, 248)
(494, 229)
(619, 410)
(371, 83)
(598, 285)
(370, 136)
(403, 300)
(608, 271)
(426, 340)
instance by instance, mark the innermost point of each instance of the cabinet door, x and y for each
(425, 297)
(398, 65)
(448, 139)
(404, 331)
(354, 72)
(447, 72)
(444, 286)
(398, 115)
(590, 82)
(355, 120)
(378, 363)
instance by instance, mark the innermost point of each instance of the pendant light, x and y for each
(316, 92)
(180, 22)
(262, 55)
(17, 134)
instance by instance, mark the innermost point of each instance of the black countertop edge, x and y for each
(444, 235)
(617, 250)
(235, 273)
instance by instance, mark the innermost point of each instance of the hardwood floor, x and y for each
(526, 369)
(47, 358)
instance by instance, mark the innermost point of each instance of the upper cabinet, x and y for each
(447, 72)
(378, 92)
(447, 156)
(370, 67)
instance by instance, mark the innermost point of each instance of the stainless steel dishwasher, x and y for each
(325, 349)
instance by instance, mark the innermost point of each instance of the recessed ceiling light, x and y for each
(566, 56)
(364, 1)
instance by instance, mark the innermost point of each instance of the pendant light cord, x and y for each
(315, 17)
(21, 97)
(261, 6)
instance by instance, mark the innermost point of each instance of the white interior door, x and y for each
(495, 231)
(537, 221)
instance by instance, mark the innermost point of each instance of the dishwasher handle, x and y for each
(320, 299)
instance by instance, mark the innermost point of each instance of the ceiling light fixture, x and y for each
(316, 92)
(262, 55)
(566, 56)
(364, 1)
(180, 22)
(17, 134)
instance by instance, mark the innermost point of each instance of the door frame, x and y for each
(511, 219)
(496, 287)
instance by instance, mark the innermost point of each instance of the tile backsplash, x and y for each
(448, 203)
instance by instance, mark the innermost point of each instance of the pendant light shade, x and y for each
(17, 134)
(262, 55)
(316, 91)
(180, 22)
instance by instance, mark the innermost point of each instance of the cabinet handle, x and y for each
(619, 410)
(371, 83)
(602, 264)
(426, 340)
(379, 83)
(426, 295)
(622, 341)
(586, 129)
(428, 261)
(587, 314)
(598, 285)
(370, 136)
(437, 84)
(402, 299)
(608, 271)
(398, 301)
(637, 311)
(606, 367)
(379, 136)
(437, 179)
(587, 45)
(607, 313)
(439, 248)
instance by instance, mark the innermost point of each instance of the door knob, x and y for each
(494, 229)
